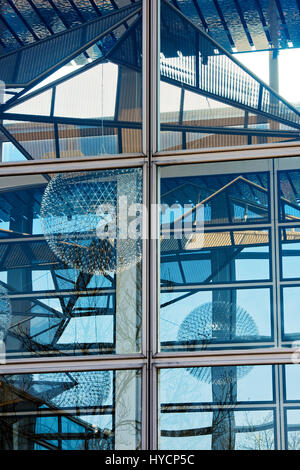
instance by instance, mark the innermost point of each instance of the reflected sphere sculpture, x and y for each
(76, 207)
(210, 323)
(82, 388)
(5, 312)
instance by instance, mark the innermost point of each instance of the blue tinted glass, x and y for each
(212, 97)
(209, 411)
(293, 429)
(219, 317)
(290, 252)
(289, 193)
(197, 255)
(68, 283)
(71, 411)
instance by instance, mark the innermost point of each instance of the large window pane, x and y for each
(210, 96)
(71, 411)
(197, 255)
(70, 281)
(201, 319)
(218, 408)
(290, 252)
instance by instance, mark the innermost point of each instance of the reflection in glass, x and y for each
(94, 101)
(196, 254)
(38, 139)
(209, 412)
(207, 97)
(70, 411)
(290, 252)
(71, 288)
(293, 429)
(201, 319)
(289, 194)
(237, 198)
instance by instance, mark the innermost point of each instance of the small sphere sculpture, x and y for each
(217, 321)
(76, 207)
(5, 312)
(82, 388)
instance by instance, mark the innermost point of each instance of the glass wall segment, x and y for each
(222, 85)
(216, 268)
(98, 92)
(222, 408)
(71, 411)
(70, 263)
(229, 255)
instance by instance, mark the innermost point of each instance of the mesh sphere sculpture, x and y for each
(75, 206)
(211, 322)
(82, 388)
(5, 312)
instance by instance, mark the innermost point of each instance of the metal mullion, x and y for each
(231, 227)
(73, 363)
(59, 14)
(154, 266)
(72, 121)
(49, 294)
(71, 56)
(155, 76)
(153, 306)
(276, 386)
(276, 256)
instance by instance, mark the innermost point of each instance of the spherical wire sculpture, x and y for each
(82, 389)
(217, 321)
(5, 313)
(77, 207)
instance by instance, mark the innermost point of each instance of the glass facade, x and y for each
(149, 225)
(69, 291)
